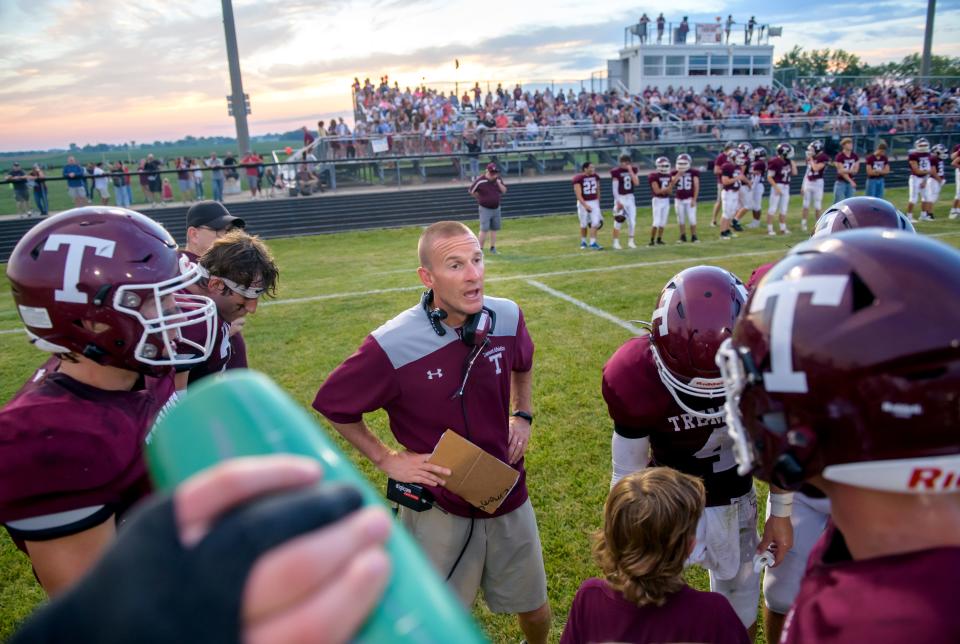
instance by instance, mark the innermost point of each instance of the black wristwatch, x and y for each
(527, 416)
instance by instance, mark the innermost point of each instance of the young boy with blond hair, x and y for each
(649, 530)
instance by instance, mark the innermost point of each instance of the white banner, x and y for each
(709, 32)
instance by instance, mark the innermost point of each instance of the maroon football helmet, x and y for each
(861, 212)
(695, 313)
(846, 364)
(105, 283)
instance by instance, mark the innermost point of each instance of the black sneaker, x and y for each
(652, 243)
(693, 239)
(683, 239)
(726, 235)
(736, 225)
(493, 250)
(660, 242)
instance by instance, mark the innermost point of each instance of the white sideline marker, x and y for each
(600, 313)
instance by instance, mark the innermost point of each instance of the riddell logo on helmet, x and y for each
(901, 410)
(934, 478)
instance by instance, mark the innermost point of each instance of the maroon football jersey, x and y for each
(69, 446)
(923, 163)
(908, 597)
(684, 186)
(815, 175)
(731, 170)
(405, 368)
(758, 171)
(718, 164)
(589, 186)
(601, 614)
(662, 180)
(640, 405)
(623, 180)
(780, 169)
(238, 352)
(847, 160)
(941, 167)
(878, 161)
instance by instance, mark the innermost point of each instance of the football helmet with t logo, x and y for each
(695, 313)
(106, 283)
(846, 365)
(861, 212)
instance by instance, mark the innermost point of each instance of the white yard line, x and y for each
(600, 313)
(527, 276)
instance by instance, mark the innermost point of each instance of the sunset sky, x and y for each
(105, 71)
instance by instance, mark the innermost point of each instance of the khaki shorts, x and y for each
(504, 556)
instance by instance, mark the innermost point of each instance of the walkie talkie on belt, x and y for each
(411, 495)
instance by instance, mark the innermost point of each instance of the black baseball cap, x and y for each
(212, 214)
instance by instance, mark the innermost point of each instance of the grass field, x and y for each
(359, 280)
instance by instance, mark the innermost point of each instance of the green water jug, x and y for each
(244, 413)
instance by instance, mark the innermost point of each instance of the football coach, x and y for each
(462, 361)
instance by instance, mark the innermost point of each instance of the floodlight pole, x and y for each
(237, 98)
(927, 39)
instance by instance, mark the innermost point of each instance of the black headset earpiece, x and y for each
(476, 328)
(435, 315)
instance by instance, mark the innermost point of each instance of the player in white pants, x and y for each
(920, 169)
(686, 214)
(779, 171)
(812, 190)
(955, 162)
(781, 584)
(589, 216)
(625, 206)
(686, 183)
(586, 187)
(756, 198)
(938, 176)
(660, 185)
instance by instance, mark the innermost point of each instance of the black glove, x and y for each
(148, 588)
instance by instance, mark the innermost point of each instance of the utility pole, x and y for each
(238, 103)
(927, 39)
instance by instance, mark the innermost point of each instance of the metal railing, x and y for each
(579, 135)
(678, 33)
(558, 156)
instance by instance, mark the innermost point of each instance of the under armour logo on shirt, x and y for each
(438, 373)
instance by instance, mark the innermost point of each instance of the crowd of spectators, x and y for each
(430, 120)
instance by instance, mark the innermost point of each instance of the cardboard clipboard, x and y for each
(479, 478)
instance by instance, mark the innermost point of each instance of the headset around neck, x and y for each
(475, 329)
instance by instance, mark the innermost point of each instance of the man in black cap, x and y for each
(208, 221)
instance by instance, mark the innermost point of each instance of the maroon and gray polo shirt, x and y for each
(405, 368)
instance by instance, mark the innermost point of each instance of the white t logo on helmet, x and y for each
(825, 290)
(71, 271)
